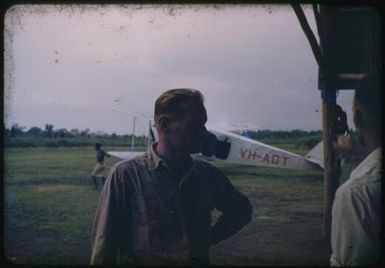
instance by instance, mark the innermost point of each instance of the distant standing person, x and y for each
(356, 215)
(100, 170)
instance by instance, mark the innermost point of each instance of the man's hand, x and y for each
(348, 148)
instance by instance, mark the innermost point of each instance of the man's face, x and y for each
(186, 133)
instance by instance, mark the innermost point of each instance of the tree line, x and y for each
(19, 136)
(300, 138)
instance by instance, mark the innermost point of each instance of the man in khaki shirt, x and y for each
(156, 208)
(356, 215)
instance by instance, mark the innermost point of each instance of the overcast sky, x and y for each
(71, 66)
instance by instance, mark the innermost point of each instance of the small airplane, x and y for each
(226, 146)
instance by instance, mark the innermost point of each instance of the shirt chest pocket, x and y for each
(145, 212)
(145, 218)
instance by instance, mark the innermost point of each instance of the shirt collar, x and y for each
(154, 159)
(373, 160)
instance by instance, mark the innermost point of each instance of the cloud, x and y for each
(253, 66)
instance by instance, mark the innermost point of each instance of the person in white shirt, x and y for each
(356, 236)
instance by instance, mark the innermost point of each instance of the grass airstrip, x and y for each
(50, 201)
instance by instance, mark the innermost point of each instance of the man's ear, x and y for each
(164, 123)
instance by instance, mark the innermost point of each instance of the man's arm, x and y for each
(349, 148)
(352, 231)
(107, 230)
(106, 154)
(236, 207)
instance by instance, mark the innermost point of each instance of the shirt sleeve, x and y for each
(108, 228)
(353, 240)
(106, 154)
(235, 207)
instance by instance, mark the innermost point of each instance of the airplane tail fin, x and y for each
(315, 155)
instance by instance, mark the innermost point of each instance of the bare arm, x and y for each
(106, 154)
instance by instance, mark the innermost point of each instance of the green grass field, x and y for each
(50, 201)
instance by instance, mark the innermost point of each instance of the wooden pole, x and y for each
(332, 167)
(309, 34)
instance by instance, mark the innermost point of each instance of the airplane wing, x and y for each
(125, 155)
(245, 151)
(233, 148)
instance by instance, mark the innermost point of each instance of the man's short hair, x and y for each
(171, 101)
(97, 145)
(368, 95)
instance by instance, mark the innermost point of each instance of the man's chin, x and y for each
(195, 149)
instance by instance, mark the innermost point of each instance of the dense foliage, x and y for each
(18, 136)
(301, 138)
